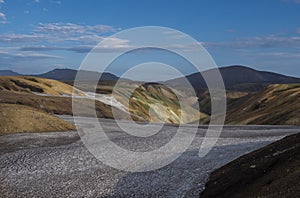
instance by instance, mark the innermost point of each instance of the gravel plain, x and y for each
(57, 164)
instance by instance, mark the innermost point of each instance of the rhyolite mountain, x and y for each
(237, 78)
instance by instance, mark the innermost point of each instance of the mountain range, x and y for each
(64, 74)
(236, 78)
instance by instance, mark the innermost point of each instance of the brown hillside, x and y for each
(19, 118)
(37, 85)
(277, 104)
(59, 105)
(50, 96)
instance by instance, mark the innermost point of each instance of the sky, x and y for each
(39, 35)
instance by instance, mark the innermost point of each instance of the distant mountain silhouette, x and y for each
(70, 75)
(238, 78)
(8, 73)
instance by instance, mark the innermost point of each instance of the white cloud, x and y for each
(40, 48)
(25, 56)
(108, 45)
(78, 49)
(115, 44)
(101, 28)
(60, 33)
(281, 54)
(60, 28)
(84, 43)
(88, 39)
(71, 28)
(37, 56)
(35, 38)
(2, 16)
(21, 38)
(258, 42)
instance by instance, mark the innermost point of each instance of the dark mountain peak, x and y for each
(238, 78)
(70, 74)
(250, 75)
(237, 67)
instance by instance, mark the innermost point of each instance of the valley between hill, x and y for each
(34, 104)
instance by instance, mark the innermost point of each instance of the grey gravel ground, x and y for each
(57, 164)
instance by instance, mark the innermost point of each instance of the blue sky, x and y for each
(39, 35)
